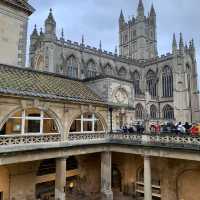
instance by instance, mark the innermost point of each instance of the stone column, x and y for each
(147, 179)
(106, 176)
(60, 181)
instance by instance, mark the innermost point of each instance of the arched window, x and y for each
(167, 82)
(72, 67)
(168, 112)
(122, 72)
(139, 111)
(153, 112)
(91, 69)
(86, 123)
(136, 83)
(151, 83)
(29, 121)
(108, 70)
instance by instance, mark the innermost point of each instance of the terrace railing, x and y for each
(153, 140)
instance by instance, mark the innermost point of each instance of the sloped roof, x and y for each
(28, 82)
(20, 4)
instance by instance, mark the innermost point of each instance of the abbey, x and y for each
(60, 117)
(129, 77)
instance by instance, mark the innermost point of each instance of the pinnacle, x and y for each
(152, 12)
(140, 5)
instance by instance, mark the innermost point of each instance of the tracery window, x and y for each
(139, 111)
(29, 121)
(136, 83)
(72, 67)
(91, 72)
(87, 123)
(122, 72)
(151, 83)
(153, 112)
(108, 70)
(167, 82)
(168, 112)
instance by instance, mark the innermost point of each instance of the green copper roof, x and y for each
(28, 82)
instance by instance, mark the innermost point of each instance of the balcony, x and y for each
(172, 141)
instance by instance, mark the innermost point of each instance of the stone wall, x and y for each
(13, 36)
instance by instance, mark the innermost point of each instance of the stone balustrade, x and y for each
(160, 140)
(29, 139)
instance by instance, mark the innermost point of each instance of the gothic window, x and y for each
(139, 110)
(86, 123)
(72, 67)
(91, 69)
(122, 72)
(28, 121)
(168, 112)
(151, 83)
(153, 112)
(108, 70)
(136, 83)
(167, 82)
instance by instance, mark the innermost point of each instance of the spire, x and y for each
(121, 17)
(35, 32)
(140, 5)
(140, 10)
(50, 26)
(152, 12)
(116, 50)
(62, 38)
(121, 20)
(174, 44)
(181, 44)
(100, 45)
(50, 18)
(83, 40)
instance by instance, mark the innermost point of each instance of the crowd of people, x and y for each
(165, 128)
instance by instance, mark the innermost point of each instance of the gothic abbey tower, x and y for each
(138, 37)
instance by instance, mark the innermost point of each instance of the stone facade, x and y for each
(13, 33)
(168, 78)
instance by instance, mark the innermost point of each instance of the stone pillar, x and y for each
(106, 176)
(147, 179)
(60, 181)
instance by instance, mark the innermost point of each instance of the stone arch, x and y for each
(168, 112)
(136, 82)
(187, 180)
(72, 66)
(98, 115)
(91, 68)
(47, 110)
(153, 111)
(151, 82)
(108, 69)
(167, 81)
(122, 72)
(139, 111)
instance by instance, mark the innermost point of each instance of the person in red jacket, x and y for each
(194, 130)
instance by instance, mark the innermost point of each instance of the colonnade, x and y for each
(106, 177)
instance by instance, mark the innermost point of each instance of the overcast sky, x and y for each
(98, 19)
